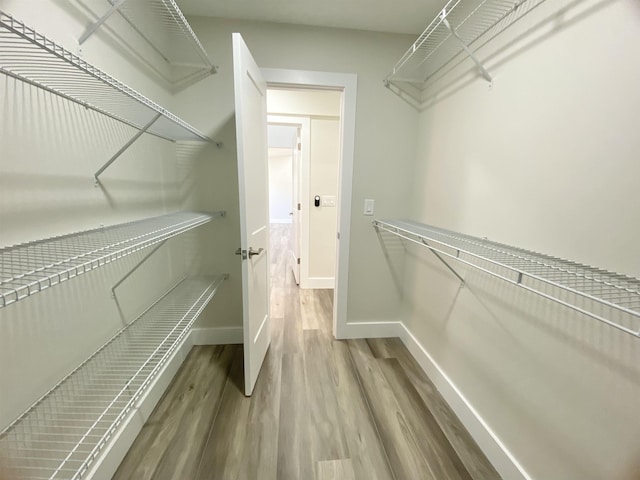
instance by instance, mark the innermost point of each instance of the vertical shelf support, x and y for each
(95, 26)
(483, 71)
(125, 147)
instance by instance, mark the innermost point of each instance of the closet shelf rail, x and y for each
(29, 268)
(163, 26)
(64, 431)
(453, 35)
(611, 298)
(32, 58)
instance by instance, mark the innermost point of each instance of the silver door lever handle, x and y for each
(252, 252)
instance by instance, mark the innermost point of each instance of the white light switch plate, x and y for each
(328, 200)
(368, 206)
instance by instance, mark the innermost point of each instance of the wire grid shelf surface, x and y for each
(32, 58)
(62, 434)
(606, 296)
(437, 46)
(163, 26)
(32, 267)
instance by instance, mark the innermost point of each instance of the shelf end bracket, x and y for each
(446, 264)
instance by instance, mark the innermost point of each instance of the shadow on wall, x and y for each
(551, 25)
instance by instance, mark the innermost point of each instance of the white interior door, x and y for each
(294, 237)
(251, 133)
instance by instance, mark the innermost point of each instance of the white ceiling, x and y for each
(396, 16)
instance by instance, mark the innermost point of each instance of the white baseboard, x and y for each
(318, 282)
(497, 453)
(370, 330)
(217, 336)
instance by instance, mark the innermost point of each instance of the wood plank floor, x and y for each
(322, 409)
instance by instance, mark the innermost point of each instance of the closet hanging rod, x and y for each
(29, 268)
(65, 431)
(587, 289)
(29, 56)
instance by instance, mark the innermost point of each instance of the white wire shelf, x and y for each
(609, 297)
(29, 268)
(453, 35)
(32, 58)
(163, 26)
(63, 432)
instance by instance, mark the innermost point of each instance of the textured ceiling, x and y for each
(396, 16)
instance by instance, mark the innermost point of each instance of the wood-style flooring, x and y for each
(322, 409)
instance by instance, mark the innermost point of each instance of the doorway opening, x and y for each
(304, 159)
(344, 86)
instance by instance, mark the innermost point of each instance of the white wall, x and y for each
(547, 160)
(50, 151)
(385, 133)
(323, 182)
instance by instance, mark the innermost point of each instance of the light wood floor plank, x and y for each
(335, 470)
(467, 449)
(222, 455)
(403, 453)
(368, 457)
(294, 440)
(328, 441)
(432, 442)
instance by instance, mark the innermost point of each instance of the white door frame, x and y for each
(305, 159)
(347, 82)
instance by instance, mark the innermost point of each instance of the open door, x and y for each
(251, 133)
(294, 237)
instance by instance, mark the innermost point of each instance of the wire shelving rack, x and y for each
(609, 297)
(64, 431)
(453, 35)
(31, 57)
(163, 26)
(29, 268)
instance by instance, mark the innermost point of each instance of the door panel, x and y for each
(251, 133)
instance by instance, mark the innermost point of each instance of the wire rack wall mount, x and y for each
(32, 58)
(455, 34)
(163, 26)
(608, 297)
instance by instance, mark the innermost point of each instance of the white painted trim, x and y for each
(217, 336)
(318, 282)
(105, 466)
(372, 330)
(348, 83)
(498, 454)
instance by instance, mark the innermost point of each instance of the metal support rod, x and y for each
(442, 260)
(126, 145)
(136, 267)
(92, 28)
(466, 48)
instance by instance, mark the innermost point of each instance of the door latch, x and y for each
(242, 252)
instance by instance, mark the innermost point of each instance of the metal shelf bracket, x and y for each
(483, 71)
(95, 26)
(125, 147)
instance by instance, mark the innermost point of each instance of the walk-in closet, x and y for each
(449, 288)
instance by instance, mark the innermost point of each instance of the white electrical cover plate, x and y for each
(368, 206)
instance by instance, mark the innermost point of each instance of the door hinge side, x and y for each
(299, 206)
(298, 261)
